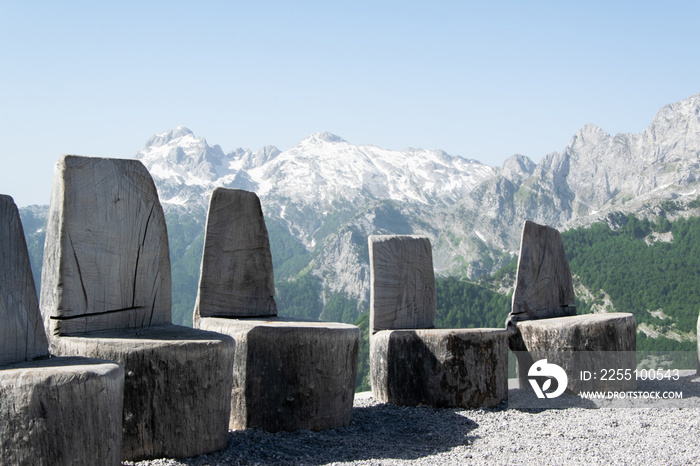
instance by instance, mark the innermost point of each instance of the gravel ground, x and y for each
(579, 432)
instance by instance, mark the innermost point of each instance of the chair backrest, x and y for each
(543, 285)
(402, 283)
(236, 278)
(22, 334)
(106, 259)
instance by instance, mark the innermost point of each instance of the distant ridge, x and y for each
(327, 195)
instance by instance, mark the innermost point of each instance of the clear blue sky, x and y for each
(483, 80)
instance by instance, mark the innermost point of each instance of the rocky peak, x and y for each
(244, 159)
(167, 137)
(675, 128)
(589, 135)
(678, 114)
(266, 154)
(181, 157)
(517, 168)
(322, 137)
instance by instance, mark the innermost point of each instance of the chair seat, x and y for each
(590, 342)
(175, 393)
(61, 411)
(290, 374)
(440, 367)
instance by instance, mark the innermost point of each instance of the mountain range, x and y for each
(323, 197)
(326, 195)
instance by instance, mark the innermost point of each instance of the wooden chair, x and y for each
(53, 411)
(413, 363)
(288, 374)
(543, 323)
(106, 293)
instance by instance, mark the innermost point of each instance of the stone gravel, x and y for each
(582, 433)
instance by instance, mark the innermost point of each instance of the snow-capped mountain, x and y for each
(321, 177)
(319, 170)
(324, 196)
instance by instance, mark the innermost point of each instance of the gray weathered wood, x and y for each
(465, 368)
(290, 375)
(287, 374)
(61, 411)
(543, 325)
(236, 277)
(106, 293)
(543, 286)
(177, 387)
(22, 334)
(402, 283)
(106, 261)
(58, 411)
(591, 342)
(411, 363)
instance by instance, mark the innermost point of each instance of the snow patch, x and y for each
(480, 235)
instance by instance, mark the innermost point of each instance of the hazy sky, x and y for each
(483, 80)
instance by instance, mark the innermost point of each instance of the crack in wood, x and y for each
(136, 273)
(544, 253)
(148, 222)
(80, 274)
(113, 311)
(153, 306)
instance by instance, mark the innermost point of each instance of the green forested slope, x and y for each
(638, 276)
(642, 278)
(463, 304)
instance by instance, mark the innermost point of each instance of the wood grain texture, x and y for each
(586, 342)
(287, 374)
(236, 277)
(61, 411)
(106, 261)
(290, 375)
(106, 293)
(22, 334)
(177, 389)
(543, 285)
(466, 368)
(402, 283)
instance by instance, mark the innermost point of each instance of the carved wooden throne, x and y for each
(106, 292)
(287, 374)
(413, 363)
(53, 411)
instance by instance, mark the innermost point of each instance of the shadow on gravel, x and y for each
(525, 400)
(384, 431)
(377, 432)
